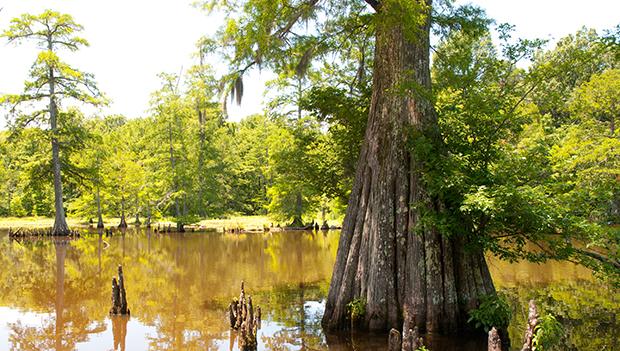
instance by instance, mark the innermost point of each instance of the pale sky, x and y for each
(133, 40)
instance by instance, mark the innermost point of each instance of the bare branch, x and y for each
(374, 4)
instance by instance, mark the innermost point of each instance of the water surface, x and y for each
(55, 295)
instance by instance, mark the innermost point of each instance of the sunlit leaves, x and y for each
(571, 63)
(599, 98)
(50, 77)
(50, 30)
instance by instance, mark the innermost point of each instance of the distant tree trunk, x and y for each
(201, 178)
(123, 223)
(9, 199)
(407, 272)
(137, 204)
(148, 215)
(297, 219)
(175, 186)
(60, 222)
(99, 214)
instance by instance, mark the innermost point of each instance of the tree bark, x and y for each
(60, 222)
(405, 270)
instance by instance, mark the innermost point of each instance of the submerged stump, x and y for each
(242, 318)
(410, 340)
(495, 343)
(119, 296)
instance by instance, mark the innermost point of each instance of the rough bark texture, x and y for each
(408, 274)
(410, 340)
(60, 222)
(532, 322)
(394, 341)
(242, 318)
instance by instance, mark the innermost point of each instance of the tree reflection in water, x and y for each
(180, 285)
(69, 325)
(119, 331)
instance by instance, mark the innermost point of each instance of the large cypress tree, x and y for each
(392, 256)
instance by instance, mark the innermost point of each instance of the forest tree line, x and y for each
(531, 148)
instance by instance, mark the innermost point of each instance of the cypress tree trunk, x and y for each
(297, 219)
(406, 277)
(99, 213)
(123, 223)
(201, 156)
(60, 222)
(9, 199)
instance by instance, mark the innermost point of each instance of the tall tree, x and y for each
(203, 89)
(51, 80)
(174, 114)
(392, 256)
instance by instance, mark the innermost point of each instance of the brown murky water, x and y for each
(56, 296)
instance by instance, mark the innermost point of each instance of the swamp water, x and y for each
(56, 295)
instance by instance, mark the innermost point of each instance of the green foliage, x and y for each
(526, 164)
(493, 311)
(571, 63)
(53, 32)
(346, 115)
(547, 334)
(356, 309)
(292, 194)
(598, 98)
(515, 181)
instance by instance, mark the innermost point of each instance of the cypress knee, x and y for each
(242, 318)
(119, 296)
(495, 343)
(532, 322)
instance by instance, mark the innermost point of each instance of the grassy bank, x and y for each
(34, 222)
(243, 222)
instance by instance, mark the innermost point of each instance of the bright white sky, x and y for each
(133, 40)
